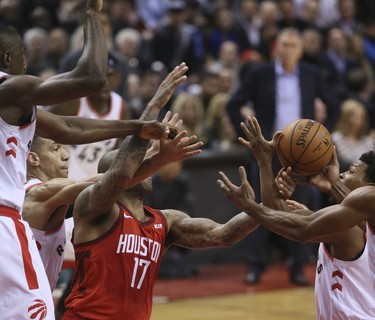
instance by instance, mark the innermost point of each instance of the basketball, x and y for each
(306, 146)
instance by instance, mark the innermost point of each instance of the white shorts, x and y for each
(25, 292)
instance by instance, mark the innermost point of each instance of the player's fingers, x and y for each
(223, 187)
(245, 130)
(256, 126)
(166, 117)
(275, 138)
(225, 179)
(194, 146)
(243, 175)
(335, 160)
(174, 119)
(244, 142)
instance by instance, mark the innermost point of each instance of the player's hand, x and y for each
(325, 179)
(168, 86)
(260, 148)
(294, 205)
(154, 130)
(242, 196)
(174, 124)
(95, 5)
(285, 183)
(180, 148)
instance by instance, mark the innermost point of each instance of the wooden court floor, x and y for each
(284, 304)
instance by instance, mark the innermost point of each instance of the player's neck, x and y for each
(37, 175)
(135, 206)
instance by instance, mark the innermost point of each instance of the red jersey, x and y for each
(115, 274)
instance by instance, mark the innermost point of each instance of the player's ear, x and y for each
(6, 59)
(33, 159)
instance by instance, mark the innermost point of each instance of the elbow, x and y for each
(98, 81)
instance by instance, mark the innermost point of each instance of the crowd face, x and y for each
(289, 49)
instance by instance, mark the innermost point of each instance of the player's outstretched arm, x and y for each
(42, 201)
(199, 233)
(302, 227)
(80, 130)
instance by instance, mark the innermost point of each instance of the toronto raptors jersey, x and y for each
(84, 158)
(25, 292)
(14, 148)
(371, 251)
(342, 288)
(115, 274)
(50, 244)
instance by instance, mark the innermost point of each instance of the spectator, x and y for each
(58, 46)
(351, 133)
(280, 92)
(335, 64)
(247, 20)
(128, 42)
(171, 188)
(36, 46)
(191, 112)
(220, 131)
(174, 40)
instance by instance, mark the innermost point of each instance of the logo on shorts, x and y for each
(37, 310)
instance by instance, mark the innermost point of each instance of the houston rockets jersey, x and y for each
(343, 288)
(115, 274)
(84, 158)
(50, 245)
(15, 142)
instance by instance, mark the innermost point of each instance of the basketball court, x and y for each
(219, 292)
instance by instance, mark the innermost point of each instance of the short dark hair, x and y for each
(37, 143)
(357, 80)
(369, 159)
(8, 37)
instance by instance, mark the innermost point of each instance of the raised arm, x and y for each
(88, 76)
(200, 233)
(98, 200)
(263, 152)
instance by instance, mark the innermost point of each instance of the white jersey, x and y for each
(14, 147)
(84, 158)
(371, 251)
(50, 244)
(25, 292)
(342, 289)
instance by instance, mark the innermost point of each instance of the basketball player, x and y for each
(119, 242)
(343, 273)
(25, 292)
(49, 191)
(102, 104)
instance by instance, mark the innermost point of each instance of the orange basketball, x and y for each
(306, 146)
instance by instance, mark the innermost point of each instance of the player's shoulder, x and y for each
(362, 198)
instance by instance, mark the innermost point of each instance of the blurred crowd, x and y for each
(219, 40)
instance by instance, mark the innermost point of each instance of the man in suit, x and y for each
(280, 92)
